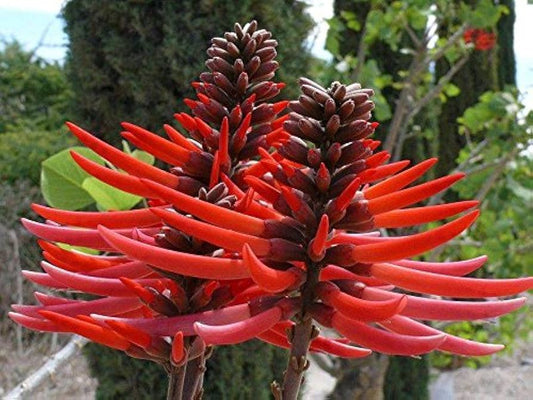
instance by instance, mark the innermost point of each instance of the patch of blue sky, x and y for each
(38, 30)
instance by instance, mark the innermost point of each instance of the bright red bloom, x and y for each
(233, 248)
(481, 39)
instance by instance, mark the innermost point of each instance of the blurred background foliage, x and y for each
(435, 96)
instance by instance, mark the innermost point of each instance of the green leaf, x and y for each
(451, 90)
(417, 19)
(334, 31)
(107, 197)
(143, 156)
(62, 179)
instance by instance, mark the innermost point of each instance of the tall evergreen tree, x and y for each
(133, 60)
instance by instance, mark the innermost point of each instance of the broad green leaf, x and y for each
(62, 178)
(107, 197)
(138, 154)
(143, 156)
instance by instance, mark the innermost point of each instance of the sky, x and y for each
(35, 23)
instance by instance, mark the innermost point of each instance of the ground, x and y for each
(506, 378)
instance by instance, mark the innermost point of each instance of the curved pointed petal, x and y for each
(338, 349)
(382, 171)
(383, 341)
(76, 237)
(91, 331)
(91, 284)
(36, 324)
(179, 139)
(446, 310)
(408, 246)
(456, 268)
(119, 180)
(184, 323)
(85, 261)
(452, 286)
(208, 212)
(43, 279)
(111, 305)
(91, 219)
(421, 215)
(400, 180)
(48, 300)
(241, 331)
(269, 279)
(225, 238)
(452, 344)
(411, 195)
(121, 160)
(360, 309)
(176, 154)
(175, 261)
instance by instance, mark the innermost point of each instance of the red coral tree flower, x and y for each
(481, 39)
(264, 227)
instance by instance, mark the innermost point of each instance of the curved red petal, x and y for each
(452, 286)
(383, 341)
(269, 279)
(452, 344)
(175, 261)
(408, 246)
(241, 331)
(400, 180)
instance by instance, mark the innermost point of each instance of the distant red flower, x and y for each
(481, 39)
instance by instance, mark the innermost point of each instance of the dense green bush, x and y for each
(21, 153)
(122, 377)
(406, 379)
(240, 372)
(244, 371)
(34, 94)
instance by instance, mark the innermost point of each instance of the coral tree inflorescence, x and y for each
(265, 221)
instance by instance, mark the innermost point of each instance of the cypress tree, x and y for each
(134, 60)
(407, 379)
